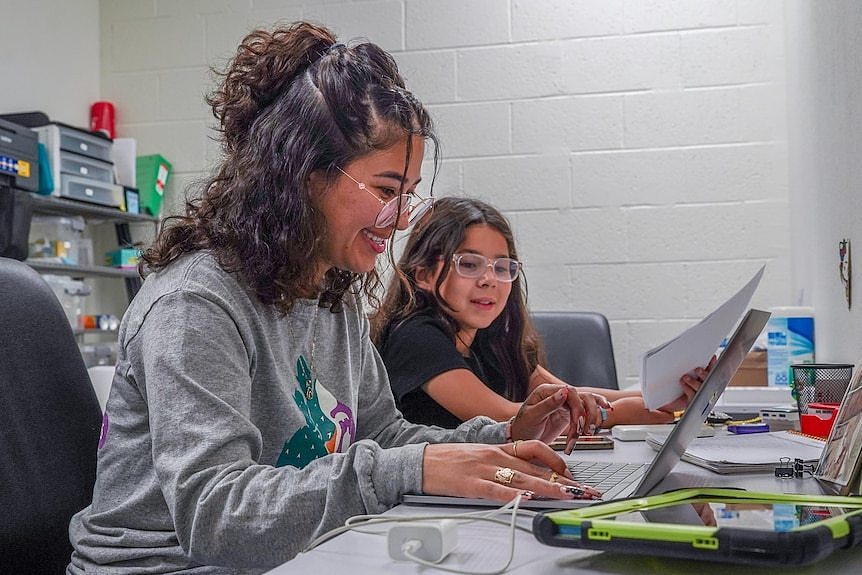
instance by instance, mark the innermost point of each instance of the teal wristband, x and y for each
(604, 413)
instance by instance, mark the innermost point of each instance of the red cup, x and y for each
(102, 118)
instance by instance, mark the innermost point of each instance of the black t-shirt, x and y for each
(420, 349)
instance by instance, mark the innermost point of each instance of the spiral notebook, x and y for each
(728, 453)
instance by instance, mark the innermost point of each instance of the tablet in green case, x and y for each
(728, 525)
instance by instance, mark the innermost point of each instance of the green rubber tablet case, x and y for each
(748, 527)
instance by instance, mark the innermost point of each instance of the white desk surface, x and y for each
(485, 546)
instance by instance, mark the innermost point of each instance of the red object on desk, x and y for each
(102, 118)
(819, 419)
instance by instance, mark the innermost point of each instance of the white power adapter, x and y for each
(429, 540)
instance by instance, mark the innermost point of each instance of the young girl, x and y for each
(249, 412)
(455, 334)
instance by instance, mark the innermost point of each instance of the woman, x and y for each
(455, 334)
(249, 411)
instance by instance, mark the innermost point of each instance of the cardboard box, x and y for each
(752, 372)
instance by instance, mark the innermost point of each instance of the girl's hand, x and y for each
(690, 383)
(552, 409)
(499, 472)
(632, 410)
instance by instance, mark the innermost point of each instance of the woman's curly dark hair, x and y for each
(291, 102)
(511, 337)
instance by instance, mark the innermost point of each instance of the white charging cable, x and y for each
(360, 523)
(410, 548)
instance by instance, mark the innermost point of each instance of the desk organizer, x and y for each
(81, 165)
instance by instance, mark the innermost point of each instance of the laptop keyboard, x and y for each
(609, 478)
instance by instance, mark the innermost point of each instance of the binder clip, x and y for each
(800, 468)
(784, 468)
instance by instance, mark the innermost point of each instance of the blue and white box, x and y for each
(789, 340)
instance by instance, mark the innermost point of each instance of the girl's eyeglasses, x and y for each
(474, 265)
(389, 214)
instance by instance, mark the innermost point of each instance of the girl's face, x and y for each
(474, 302)
(353, 242)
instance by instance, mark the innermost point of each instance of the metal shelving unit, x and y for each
(77, 331)
(80, 271)
(54, 206)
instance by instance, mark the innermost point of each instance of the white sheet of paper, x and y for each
(123, 153)
(662, 366)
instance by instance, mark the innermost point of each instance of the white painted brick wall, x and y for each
(548, 19)
(472, 129)
(430, 75)
(734, 172)
(638, 146)
(569, 123)
(181, 94)
(825, 94)
(448, 179)
(452, 23)
(508, 180)
(155, 44)
(381, 22)
(510, 72)
(622, 63)
(199, 7)
(703, 116)
(571, 236)
(728, 56)
(225, 30)
(653, 15)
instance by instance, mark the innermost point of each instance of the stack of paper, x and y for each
(748, 453)
(661, 367)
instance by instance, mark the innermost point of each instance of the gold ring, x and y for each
(554, 476)
(515, 447)
(504, 475)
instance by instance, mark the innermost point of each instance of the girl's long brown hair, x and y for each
(511, 337)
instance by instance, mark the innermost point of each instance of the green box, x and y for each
(152, 178)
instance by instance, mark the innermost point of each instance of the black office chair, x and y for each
(579, 348)
(50, 425)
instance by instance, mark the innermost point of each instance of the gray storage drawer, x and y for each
(88, 190)
(58, 137)
(86, 167)
(81, 142)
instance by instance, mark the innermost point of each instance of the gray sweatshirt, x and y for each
(233, 436)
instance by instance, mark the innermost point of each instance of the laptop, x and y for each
(638, 480)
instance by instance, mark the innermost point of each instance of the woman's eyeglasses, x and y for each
(389, 214)
(474, 265)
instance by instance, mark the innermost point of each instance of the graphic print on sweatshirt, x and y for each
(329, 425)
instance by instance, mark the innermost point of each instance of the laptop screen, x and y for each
(704, 400)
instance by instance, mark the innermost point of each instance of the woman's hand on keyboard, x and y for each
(499, 472)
